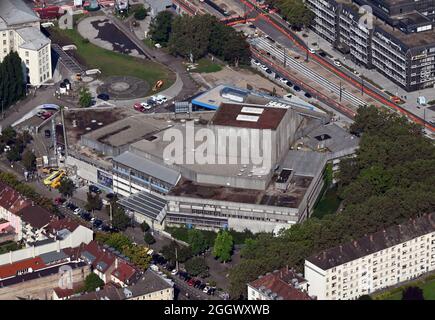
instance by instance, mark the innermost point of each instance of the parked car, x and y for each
(289, 83)
(296, 88)
(154, 267)
(85, 215)
(191, 282)
(337, 63)
(322, 53)
(94, 189)
(110, 196)
(283, 80)
(138, 107)
(211, 291)
(256, 62)
(97, 223)
(264, 67)
(47, 133)
(202, 286)
(77, 211)
(174, 272)
(308, 95)
(197, 283)
(59, 200)
(103, 96)
(268, 71)
(145, 105)
(205, 290)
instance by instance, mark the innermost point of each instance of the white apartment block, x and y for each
(20, 32)
(380, 260)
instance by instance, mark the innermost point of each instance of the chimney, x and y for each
(58, 245)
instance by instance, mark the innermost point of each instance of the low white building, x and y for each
(20, 32)
(380, 260)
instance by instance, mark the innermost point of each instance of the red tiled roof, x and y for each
(36, 216)
(10, 270)
(279, 282)
(124, 272)
(100, 254)
(11, 199)
(61, 224)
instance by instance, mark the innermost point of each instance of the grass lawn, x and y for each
(428, 286)
(328, 204)
(113, 63)
(207, 66)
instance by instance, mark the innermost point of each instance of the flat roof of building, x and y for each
(15, 12)
(329, 138)
(33, 38)
(410, 40)
(242, 116)
(290, 198)
(149, 167)
(127, 130)
(374, 242)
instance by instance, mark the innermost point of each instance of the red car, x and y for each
(139, 107)
(59, 201)
(191, 282)
(46, 115)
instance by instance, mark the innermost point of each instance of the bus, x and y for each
(56, 182)
(49, 180)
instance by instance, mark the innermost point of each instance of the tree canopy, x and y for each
(12, 82)
(197, 267)
(412, 293)
(390, 180)
(66, 187)
(295, 12)
(161, 27)
(196, 36)
(92, 282)
(223, 246)
(197, 241)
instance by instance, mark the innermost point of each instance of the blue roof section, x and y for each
(204, 105)
(88, 256)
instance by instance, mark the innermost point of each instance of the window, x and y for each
(27, 53)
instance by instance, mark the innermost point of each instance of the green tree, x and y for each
(67, 187)
(8, 136)
(85, 98)
(120, 219)
(412, 293)
(14, 153)
(223, 246)
(196, 267)
(93, 202)
(365, 297)
(138, 256)
(92, 282)
(12, 82)
(197, 241)
(144, 226)
(141, 13)
(183, 253)
(295, 12)
(161, 27)
(29, 160)
(148, 238)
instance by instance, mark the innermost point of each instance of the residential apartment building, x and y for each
(399, 42)
(374, 262)
(20, 32)
(283, 284)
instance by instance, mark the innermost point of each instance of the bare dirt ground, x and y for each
(242, 78)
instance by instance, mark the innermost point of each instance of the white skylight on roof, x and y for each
(245, 117)
(252, 110)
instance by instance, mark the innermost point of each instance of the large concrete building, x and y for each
(374, 262)
(20, 32)
(399, 41)
(257, 162)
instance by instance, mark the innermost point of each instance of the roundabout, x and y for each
(124, 87)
